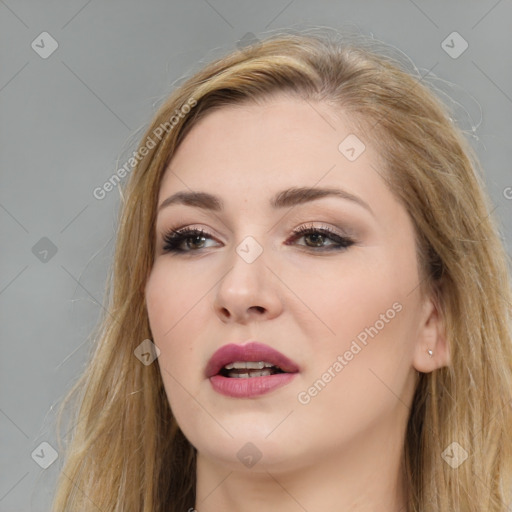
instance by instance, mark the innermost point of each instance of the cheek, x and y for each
(361, 373)
(348, 296)
(366, 312)
(174, 305)
(173, 297)
(174, 308)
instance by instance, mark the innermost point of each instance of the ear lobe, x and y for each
(431, 351)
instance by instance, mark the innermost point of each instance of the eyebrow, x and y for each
(284, 199)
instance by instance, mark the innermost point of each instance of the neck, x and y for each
(366, 475)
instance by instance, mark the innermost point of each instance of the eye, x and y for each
(187, 240)
(317, 236)
(194, 240)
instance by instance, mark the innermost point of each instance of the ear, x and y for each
(431, 336)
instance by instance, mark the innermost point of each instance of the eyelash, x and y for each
(174, 238)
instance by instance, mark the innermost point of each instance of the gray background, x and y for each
(69, 120)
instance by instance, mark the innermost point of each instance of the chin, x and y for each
(256, 445)
(255, 456)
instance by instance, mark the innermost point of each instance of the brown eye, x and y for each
(193, 239)
(318, 236)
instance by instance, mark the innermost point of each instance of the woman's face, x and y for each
(343, 305)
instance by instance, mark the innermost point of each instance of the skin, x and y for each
(342, 449)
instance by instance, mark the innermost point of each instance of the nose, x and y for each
(247, 292)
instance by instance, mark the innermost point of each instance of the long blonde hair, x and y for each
(126, 452)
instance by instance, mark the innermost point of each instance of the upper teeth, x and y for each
(251, 365)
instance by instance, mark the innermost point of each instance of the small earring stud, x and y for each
(430, 353)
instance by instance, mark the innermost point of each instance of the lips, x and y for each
(247, 379)
(250, 352)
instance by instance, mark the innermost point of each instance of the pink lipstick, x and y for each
(245, 371)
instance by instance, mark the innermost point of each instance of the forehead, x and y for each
(271, 145)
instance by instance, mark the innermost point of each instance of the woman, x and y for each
(310, 300)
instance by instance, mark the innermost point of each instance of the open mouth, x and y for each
(249, 369)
